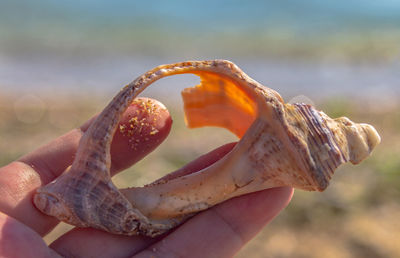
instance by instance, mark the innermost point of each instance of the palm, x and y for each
(218, 232)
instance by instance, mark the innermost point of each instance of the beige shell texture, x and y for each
(280, 145)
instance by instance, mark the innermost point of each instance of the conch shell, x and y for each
(281, 145)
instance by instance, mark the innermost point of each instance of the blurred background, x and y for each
(62, 61)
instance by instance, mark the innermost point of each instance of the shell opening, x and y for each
(219, 101)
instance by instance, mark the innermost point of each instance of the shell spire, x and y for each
(327, 143)
(280, 145)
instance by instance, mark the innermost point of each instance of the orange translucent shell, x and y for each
(218, 101)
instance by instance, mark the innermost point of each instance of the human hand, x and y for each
(217, 232)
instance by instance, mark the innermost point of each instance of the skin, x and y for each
(220, 231)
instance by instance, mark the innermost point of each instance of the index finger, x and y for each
(19, 179)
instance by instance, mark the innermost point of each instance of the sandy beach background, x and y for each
(61, 62)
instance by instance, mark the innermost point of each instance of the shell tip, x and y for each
(373, 138)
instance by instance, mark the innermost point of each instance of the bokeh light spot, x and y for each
(29, 109)
(301, 99)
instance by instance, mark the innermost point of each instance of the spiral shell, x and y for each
(280, 145)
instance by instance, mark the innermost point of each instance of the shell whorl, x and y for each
(326, 143)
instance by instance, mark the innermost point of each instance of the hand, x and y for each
(217, 232)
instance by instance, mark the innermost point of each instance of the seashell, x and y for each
(281, 145)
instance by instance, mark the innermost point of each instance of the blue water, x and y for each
(206, 14)
(287, 44)
(41, 24)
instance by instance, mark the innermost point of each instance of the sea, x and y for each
(313, 48)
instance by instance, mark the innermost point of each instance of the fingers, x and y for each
(18, 240)
(94, 243)
(202, 162)
(217, 232)
(145, 124)
(90, 242)
(19, 179)
(222, 230)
